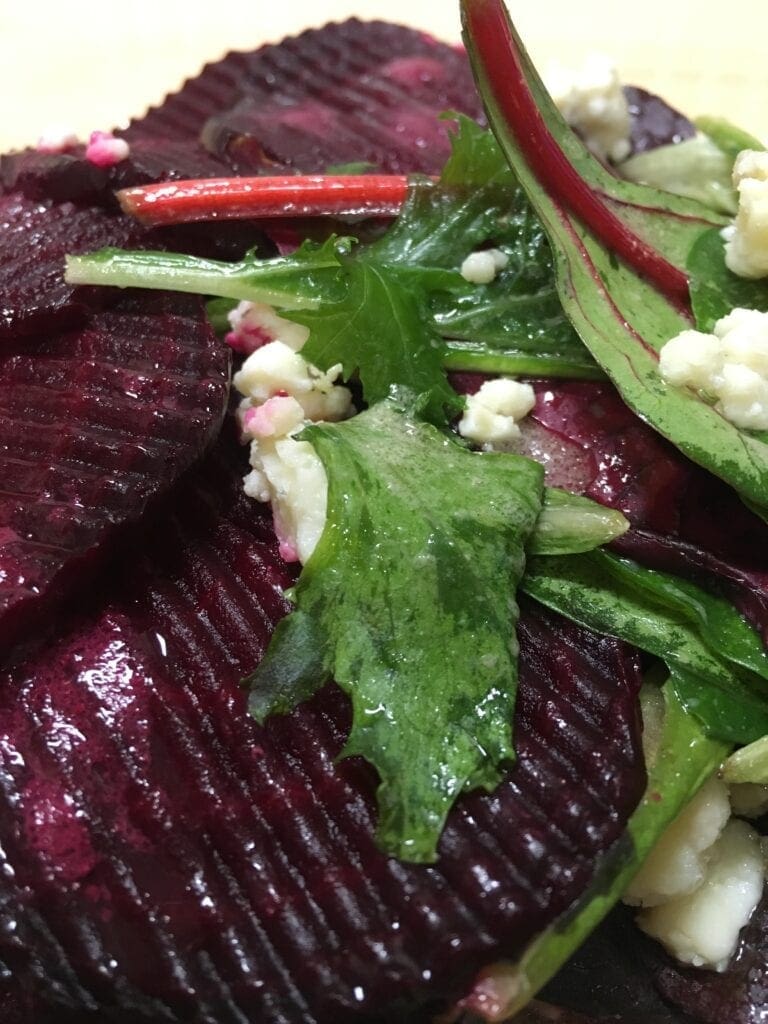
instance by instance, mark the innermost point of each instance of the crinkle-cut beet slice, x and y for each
(346, 93)
(654, 122)
(94, 423)
(34, 238)
(676, 509)
(166, 857)
(400, 62)
(70, 177)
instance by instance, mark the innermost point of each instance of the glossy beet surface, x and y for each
(34, 238)
(678, 511)
(94, 423)
(165, 856)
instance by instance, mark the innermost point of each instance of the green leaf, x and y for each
(672, 782)
(622, 318)
(515, 324)
(749, 764)
(410, 599)
(727, 137)
(304, 279)
(380, 330)
(716, 290)
(570, 524)
(720, 676)
(696, 168)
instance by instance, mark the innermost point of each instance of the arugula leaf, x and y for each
(570, 524)
(622, 316)
(380, 328)
(515, 324)
(672, 782)
(408, 602)
(716, 290)
(717, 662)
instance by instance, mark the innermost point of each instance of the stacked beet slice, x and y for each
(162, 857)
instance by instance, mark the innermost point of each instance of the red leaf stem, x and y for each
(371, 195)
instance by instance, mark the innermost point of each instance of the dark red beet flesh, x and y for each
(677, 510)
(165, 856)
(34, 238)
(94, 423)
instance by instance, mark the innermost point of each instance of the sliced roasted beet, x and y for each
(34, 238)
(94, 423)
(677, 510)
(654, 122)
(166, 857)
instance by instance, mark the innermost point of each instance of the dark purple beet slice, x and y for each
(34, 238)
(69, 176)
(94, 423)
(654, 122)
(166, 857)
(677, 510)
(351, 92)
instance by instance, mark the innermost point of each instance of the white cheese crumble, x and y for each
(676, 865)
(255, 324)
(592, 101)
(730, 365)
(492, 413)
(702, 928)
(481, 267)
(749, 799)
(746, 240)
(282, 393)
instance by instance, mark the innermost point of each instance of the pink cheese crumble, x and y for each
(104, 150)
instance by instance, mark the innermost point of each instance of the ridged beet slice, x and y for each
(164, 857)
(34, 238)
(94, 423)
(70, 177)
(596, 445)
(351, 92)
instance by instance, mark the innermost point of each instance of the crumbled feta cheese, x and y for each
(282, 393)
(703, 927)
(492, 413)
(691, 359)
(677, 863)
(481, 267)
(730, 365)
(290, 475)
(746, 241)
(275, 368)
(592, 101)
(105, 150)
(743, 397)
(56, 140)
(255, 324)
